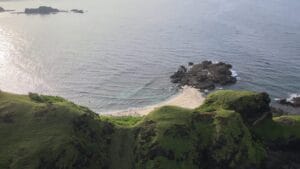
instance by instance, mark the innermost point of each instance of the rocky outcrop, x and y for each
(250, 105)
(44, 10)
(294, 101)
(205, 75)
(5, 10)
(77, 11)
(276, 111)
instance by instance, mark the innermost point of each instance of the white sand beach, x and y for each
(188, 97)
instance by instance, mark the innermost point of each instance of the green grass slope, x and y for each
(49, 132)
(181, 138)
(231, 130)
(284, 127)
(281, 137)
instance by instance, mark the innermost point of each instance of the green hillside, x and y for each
(232, 129)
(49, 132)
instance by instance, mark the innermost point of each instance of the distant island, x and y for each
(43, 10)
(4, 10)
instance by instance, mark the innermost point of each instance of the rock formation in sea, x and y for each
(1, 9)
(293, 101)
(77, 11)
(205, 75)
(41, 10)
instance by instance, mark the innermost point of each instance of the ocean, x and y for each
(119, 54)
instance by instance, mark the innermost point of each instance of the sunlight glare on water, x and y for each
(120, 53)
(15, 73)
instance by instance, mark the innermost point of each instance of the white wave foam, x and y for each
(233, 73)
(215, 61)
(292, 96)
(206, 91)
(277, 99)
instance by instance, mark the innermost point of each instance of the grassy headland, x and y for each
(232, 129)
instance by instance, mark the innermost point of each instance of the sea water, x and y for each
(119, 54)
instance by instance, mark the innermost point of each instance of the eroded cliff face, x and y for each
(232, 129)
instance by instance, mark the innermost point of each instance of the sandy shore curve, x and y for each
(188, 97)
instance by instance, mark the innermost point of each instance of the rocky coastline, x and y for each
(293, 101)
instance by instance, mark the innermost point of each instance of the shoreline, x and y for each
(187, 97)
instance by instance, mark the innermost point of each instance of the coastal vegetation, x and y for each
(231, 130)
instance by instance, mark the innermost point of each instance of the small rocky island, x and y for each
(77, 11)
(41, 10)
(46, 10)
(205, 75)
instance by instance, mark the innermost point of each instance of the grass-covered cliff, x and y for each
(232, 129)
(49, 132)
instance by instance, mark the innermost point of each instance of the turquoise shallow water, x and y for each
(120, 54)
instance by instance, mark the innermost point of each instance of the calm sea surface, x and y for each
(120, 53)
